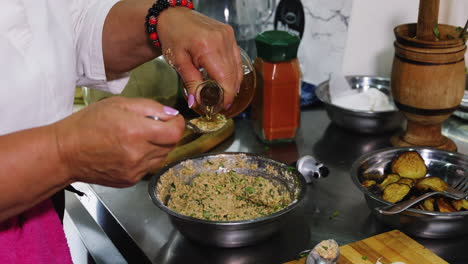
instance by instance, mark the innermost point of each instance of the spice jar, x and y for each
(276, 105)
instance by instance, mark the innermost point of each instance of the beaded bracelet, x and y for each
(153, 13)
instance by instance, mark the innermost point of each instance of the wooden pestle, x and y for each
(427, 19)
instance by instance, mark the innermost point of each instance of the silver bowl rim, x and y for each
(411, 211)
(365, 113)
(155, 177)
(464, 103)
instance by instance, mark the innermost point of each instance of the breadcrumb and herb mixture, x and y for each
(223, 195)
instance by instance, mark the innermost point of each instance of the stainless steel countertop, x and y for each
(143, 233)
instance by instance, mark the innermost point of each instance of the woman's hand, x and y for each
(112, 143)
(191, 41)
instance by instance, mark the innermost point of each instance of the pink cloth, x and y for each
(35, 236)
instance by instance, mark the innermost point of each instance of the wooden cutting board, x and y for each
(391, 247)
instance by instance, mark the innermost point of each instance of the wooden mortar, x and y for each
(428, 79)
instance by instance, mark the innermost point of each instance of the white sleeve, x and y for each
(88, 18)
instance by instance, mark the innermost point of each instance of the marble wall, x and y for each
(323, 43)
(356, 36)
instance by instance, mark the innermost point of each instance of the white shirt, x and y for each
(47, 47)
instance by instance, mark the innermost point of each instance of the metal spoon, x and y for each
(208, 124)
(188, 125)
(194, 128)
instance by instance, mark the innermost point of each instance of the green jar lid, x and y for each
(277, 46)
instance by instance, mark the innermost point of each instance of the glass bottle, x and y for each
(209, 95)
(276, 105)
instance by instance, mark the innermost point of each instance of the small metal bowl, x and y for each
(231, 234)
(449, 166)
(462, 111)
(361, 121)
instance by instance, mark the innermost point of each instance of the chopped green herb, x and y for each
(303, 255)
(249, 190)
(436, 31)
(277, 207)
(335, 214)
(364, 257)
(325, 247)
(206, 214)
(291, 169)
(458, 29)
(173, 188)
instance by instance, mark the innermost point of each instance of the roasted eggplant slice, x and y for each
(407, 181)
(435, 184)
(368, 183)
(395, 192)
(460, 205)
(409, 164)
(375, 176)
(391, 178)
(444, 206)
(428, 204)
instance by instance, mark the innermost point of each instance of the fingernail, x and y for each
(170, 111)
(185, 91)
(228, 106)
(191, 100)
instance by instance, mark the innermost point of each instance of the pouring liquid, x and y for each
(211, 99)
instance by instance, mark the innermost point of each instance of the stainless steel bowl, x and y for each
(233, 233)
(361, 121)
(462, 110)
(449, 166)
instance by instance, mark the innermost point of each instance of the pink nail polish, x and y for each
(191, 100)
(170, 111)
